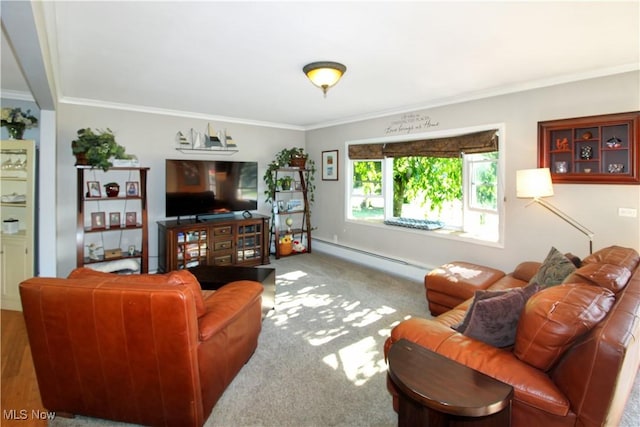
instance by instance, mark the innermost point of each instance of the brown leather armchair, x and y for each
(144, 349)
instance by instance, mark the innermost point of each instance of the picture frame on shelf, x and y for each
(114, 220)
(93, 190)
(130, 219)
(133, 189)
(330, 165)
(295, 205)
(97, 221)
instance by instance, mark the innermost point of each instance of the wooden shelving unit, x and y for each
(107, 235)
(285, 206)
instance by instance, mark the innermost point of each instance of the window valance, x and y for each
(451, 146)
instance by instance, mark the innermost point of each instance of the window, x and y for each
(366, 200)
(458, 190)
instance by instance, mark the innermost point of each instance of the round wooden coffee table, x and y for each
(437, 391)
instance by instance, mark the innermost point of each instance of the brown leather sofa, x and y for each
(589, 380)
(144, 349)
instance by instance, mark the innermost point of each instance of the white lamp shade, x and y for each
(533, 183)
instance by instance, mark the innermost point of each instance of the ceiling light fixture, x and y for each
(324, 74)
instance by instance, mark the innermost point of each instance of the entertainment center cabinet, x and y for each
(220, 241)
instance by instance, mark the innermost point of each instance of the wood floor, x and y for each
(20, 399)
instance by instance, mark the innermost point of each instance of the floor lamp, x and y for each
(536, 183)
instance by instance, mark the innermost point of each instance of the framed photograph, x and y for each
(97, 220)
(130, 219)
(114, 220)
(133, 189)
(93, 189)
(330, 165)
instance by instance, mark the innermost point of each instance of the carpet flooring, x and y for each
(319, 360)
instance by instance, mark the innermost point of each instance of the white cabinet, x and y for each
(17, 240)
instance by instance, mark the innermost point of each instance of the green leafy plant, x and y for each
(97, 148)
(282, 160)
(285, 182)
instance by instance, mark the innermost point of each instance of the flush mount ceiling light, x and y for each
(324, 74)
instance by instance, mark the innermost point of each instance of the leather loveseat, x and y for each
(144, 349)
(576, 348)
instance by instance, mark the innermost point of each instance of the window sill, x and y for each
(442, 233)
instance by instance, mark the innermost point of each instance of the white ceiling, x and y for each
(243, 60)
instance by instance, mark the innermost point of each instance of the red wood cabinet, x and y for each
(596, 149)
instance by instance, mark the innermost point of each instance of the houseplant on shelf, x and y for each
(287, 158)
(97, 148)
(16, 121)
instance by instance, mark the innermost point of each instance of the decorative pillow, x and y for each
(553, 270)
(477, 296)
(176, 278)
(494, 319)
(612, 277)
(555, 317)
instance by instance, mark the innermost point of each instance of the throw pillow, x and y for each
(555, 317)
(494, 319)
(554, 269)
(477, 296)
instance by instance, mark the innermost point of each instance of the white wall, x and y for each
(529, 231)
(151, 137)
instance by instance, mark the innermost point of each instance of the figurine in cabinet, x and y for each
(562, 144)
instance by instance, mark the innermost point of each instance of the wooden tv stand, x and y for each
(217, 241)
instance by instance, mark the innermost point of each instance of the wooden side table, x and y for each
(437, 391)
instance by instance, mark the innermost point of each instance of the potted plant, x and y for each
(97, 148)
(287, 158)
(285, 183)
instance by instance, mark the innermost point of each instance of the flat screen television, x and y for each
(207, 187)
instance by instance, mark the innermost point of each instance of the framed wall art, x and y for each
(330, 165)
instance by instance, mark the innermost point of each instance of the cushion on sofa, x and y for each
(553, 270)
(493, 316)
(612, 277)
(176, 278)
(555, 317)
(615, 255)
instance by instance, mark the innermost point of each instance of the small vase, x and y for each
(112, 190)
(16, 130)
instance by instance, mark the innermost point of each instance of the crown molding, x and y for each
(17, 95)
(175, 113)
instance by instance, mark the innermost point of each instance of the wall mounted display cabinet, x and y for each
(595, 150)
